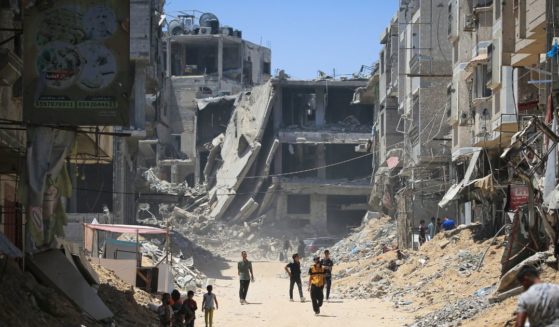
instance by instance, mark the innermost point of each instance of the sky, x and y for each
(305, 35)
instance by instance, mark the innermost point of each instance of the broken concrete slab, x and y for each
(241, 145)
(53, 268)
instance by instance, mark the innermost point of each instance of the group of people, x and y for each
(427, 233)
(178, 313)
(320, 277)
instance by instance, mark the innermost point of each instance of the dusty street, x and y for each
(270, 306)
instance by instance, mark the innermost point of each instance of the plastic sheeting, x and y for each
(455, 189)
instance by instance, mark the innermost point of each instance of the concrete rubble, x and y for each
(440, 282)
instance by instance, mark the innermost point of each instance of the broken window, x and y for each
(267, 68)
(299, 204)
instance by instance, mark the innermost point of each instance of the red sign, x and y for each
(519, 195)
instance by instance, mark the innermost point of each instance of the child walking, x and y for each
(209, 304)
(165, 311)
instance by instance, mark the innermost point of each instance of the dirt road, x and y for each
(269, 304)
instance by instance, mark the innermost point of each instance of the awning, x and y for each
(455, 189)
(205, 102)
(130, 229)
(482, 58)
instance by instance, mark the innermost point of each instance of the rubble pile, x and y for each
(186, 276)
(129, 304)
(26, 302)
(367, 241)
(439, 280)
(453, 314)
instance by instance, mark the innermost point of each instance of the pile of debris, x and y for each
(186, 276)
(367, 241)
(453, 314)
(26, 302)
(444, 282)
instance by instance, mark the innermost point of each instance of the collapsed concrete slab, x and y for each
(241, 145)
(53, 268)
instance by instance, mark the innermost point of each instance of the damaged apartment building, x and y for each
(498, 87)
(207, 64)
(294, 152)
(411, 135)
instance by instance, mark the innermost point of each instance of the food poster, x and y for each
(76, 55)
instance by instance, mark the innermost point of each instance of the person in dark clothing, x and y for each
(190, 305)
(165, 311)
(422, 232)
(327, 264)
(176, 304)
(316, 285)
(293, 269)
(301, 249)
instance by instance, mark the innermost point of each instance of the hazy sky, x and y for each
(305, 35)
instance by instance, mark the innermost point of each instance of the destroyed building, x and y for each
(209, 62)
(296, 152)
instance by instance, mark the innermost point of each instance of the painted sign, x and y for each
(519, 195)
(76, 56)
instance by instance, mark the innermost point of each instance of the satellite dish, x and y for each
(207, 18)
(175, 27)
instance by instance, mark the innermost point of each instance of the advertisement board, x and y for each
(76, 62)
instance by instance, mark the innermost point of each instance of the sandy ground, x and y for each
(269, 304)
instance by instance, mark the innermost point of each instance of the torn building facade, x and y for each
(296, 152)
(412, 143)
(212, 63)
(496, 52)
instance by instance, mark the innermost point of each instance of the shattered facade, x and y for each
(296, 152)
(213, 66)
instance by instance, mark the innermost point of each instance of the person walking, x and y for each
(316, 285)
(293, 269)
(327, 264)
(246, 275)
(209, 304)
(539, 303)
(432, 228)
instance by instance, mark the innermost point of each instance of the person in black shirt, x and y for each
(293, 269)
(327, 263)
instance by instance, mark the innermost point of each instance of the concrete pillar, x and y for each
(140, 95)
(320, 107)
(168, 68)
(277, 111)
(319, 212)
(118, 180)
(220, 59)
(321, 160)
